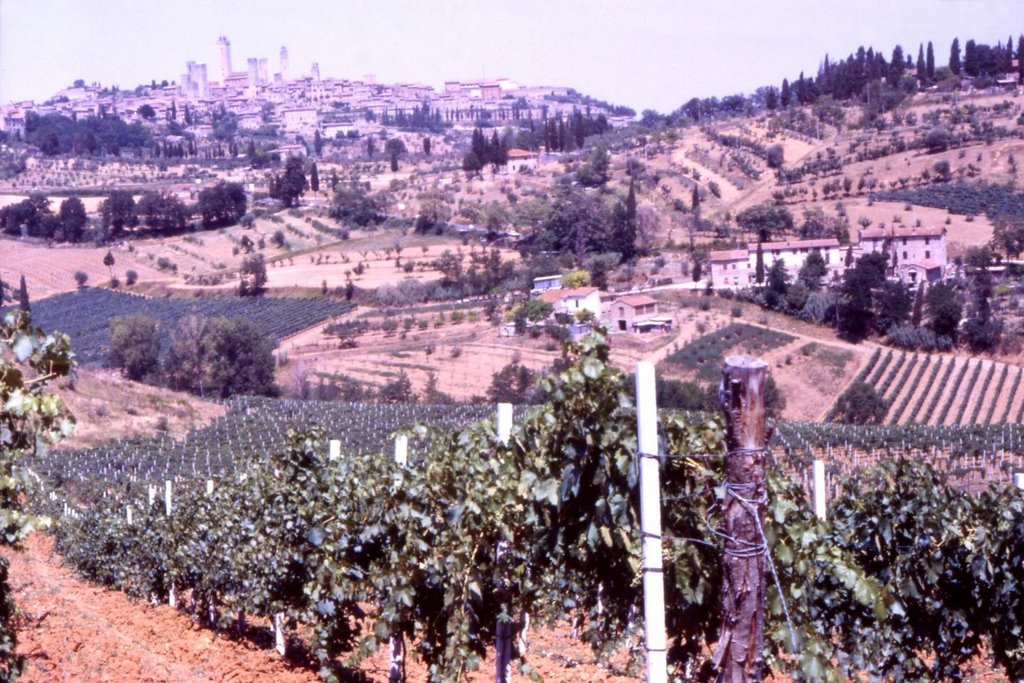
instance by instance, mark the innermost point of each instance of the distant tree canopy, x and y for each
(73, 219)
(860, 404)
(514, 383)
(767, 220)
(162, 212)
(252, 279)
(219, 356)
(31, 215)
(581, 222)
(117, 212)
(290, 185)
(865, 76)
(96, 135)
(353, 204)
(135, 346)
(223, 204)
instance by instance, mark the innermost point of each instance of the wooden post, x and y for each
(738, 656)
(650, 524)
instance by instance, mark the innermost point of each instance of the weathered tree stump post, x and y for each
(738, 655)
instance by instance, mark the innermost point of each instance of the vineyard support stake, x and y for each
(503, 629)
(279, 641)
(335, 450)
(819, 489)
(396, 644)
(650, 524)
(172, 599)
(402, 449)
(738, 655)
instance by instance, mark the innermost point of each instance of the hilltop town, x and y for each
(290, 302)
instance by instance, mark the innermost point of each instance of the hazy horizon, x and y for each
(649, 54)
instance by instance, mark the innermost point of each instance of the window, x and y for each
(904, 256)
(904, 241)
(926, 241)
(927, 254)
(622, 312)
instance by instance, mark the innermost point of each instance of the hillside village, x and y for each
(292, 301)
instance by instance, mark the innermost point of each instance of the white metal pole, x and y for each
(402, 449)
(503, 629)
(650, 524)
(504, 422)
(1018, 480)
(128, 514)
(279, 640)
(209, 487)
(335, 446)
(819, 489)
(396, 645)
(172, 599)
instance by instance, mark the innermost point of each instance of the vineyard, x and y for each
(476, 531)
(85, 315)
(252, 426)
(963, 198)
(704, 355)
(938, 389)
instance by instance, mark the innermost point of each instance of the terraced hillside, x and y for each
(941, 389)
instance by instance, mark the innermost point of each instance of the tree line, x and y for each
(121, 215)
(865, 76)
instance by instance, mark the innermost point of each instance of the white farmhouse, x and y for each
(572, 301)
(736, 268)
(915, 254)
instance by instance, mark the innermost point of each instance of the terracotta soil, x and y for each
(72, 630)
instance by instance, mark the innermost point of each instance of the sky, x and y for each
(645, 54)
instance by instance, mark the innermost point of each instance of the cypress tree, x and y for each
(954, 56)
(929, 59)
(787, 96)
(23, 303)
(915, 317)
(759, 265)
(1020, 58)
(314, 178)
(921, 69)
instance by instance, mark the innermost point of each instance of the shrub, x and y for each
(81, 277)
(131, 277)
(860, 404)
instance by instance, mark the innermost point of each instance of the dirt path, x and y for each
(71, 630)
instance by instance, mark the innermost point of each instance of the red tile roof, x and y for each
(637, 300)
(923, 231)
(730, 255)
(794, 244)
(553, 295)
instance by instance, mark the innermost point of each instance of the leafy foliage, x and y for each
(31, 419)
(86, 315)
